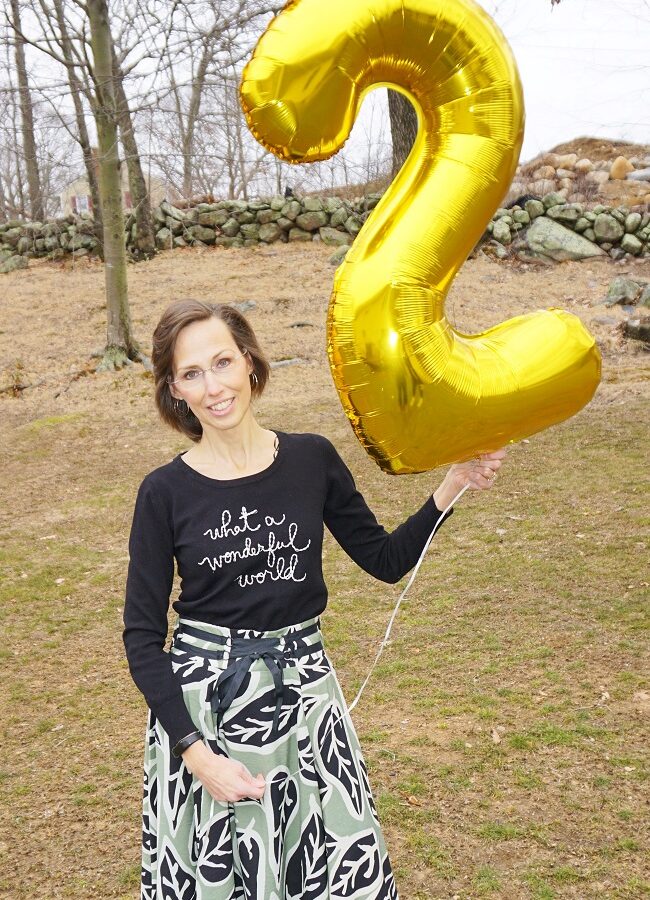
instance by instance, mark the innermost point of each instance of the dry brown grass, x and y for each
(507, 726)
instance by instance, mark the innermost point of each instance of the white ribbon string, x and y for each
(399, 601)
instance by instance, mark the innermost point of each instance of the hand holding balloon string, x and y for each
(478, 474)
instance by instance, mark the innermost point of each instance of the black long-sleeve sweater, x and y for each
(248, 552)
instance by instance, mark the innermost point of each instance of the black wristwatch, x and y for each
(184, 743)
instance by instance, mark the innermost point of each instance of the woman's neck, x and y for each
(236, 452)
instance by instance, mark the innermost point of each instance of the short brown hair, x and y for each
(177, 316)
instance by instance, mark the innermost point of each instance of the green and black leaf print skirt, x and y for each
(271, 700)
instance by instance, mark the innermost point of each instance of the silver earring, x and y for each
(177, 405)
(254, 377)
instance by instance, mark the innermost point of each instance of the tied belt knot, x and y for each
(243, 652)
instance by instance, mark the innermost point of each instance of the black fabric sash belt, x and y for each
(243, 652)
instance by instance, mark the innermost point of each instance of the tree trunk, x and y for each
(29, 141)
(145, 243)
(120, 346)
(76, 92)
(403, 128)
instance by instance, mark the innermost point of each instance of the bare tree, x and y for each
(144, 244)
(77, 94)
(120, 345)
(403, 127)
(27, 115)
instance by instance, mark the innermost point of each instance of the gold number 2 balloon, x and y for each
(417, 392)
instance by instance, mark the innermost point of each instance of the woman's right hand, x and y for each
(225, 779)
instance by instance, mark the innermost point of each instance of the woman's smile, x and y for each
(222, 407)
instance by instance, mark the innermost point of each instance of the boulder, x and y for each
(607, 228)
(312, 204)
(639, 175)
(353, 225)
(567, 213)
(201, 233)
(230, 228)
(312, 220)
(633, 222)
(270, 232)
(534, 208)
(224, 240)
(639, 329)
(250, 231)
(583, 166)
(339, 217)
(338, 256)
(541, 187)
(644, 299)
(291, 210)
(371, 200)
(265, 216)
(332, 204)
(619, 168)
(167, 209)
(174, 225)
(297, 234)
(335, 238)
(11, 236)
(622, 290)
(631, 245)
(501, 232)
(544, 172)
(566, 161)
(277, 202)
(213, 218)
(551, 240)
(555, 198)
(13, 263)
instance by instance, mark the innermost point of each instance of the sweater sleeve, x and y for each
(386, 556)
(148, 588)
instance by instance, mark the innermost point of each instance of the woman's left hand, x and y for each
(479, 474)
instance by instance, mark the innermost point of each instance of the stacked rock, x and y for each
(579, 180)
(618, 230)
(559, 230)
(245, 223)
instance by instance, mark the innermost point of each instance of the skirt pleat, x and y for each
(314, 835)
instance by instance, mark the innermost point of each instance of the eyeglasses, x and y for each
(223, 367)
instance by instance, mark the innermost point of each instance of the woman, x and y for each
(254, 783)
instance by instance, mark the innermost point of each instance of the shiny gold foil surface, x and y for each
(417, 392)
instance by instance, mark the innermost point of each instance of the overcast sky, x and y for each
(584, 65)
(585, 68)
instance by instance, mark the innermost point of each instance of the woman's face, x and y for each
(219, 397)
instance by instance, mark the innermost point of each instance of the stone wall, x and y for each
(552, 228)
(618, 231)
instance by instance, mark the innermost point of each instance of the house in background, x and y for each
(75, 198)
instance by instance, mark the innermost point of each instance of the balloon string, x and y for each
(399, 601)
